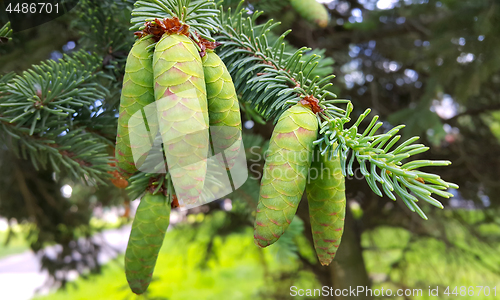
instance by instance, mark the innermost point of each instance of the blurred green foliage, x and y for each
(12, 241)
(396, 258)
(233, 269)
(402, 61)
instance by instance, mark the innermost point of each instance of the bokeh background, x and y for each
(431, 65)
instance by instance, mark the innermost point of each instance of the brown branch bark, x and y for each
(29, 199)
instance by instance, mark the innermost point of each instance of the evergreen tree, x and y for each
(59, 117)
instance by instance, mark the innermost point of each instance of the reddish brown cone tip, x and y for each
(118, 179)
(205, 44)
(312, 102)
(158, 28)
(120, 183)
(175, 202)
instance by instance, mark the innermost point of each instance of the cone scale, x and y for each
(182, 110)
(285, 173)
(327, 203)
(223, 108)
(137, 93)
(146, 238)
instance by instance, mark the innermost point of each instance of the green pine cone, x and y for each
(148, 231)
(326, 196)
(313, 11)
(137, 92)
(223, 108)
(285, 173)
(181, 100)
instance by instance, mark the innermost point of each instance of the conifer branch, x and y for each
(5, 33)
(274, 80)
(198, 14)
(103, 28)
(265, 74)
(38, 111)
(271, 79)
(385, 160)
